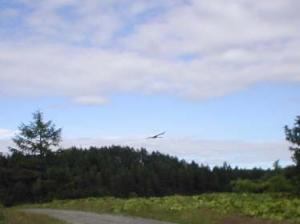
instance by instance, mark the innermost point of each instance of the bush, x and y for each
(277, 183)
(248, 186)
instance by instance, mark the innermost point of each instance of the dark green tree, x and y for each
(37, 137)
(293, 136)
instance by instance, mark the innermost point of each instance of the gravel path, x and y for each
(77, 217)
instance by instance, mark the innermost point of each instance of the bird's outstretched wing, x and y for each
(162, 133)
(158, 135)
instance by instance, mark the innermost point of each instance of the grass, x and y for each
(129, 207)
(204, 209)
(13, 216)
(1, 215)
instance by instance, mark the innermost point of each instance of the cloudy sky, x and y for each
(220, 77)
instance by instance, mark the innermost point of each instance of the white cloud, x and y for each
(208, 26)
(91, 100)
(5, 133)
(100, 48)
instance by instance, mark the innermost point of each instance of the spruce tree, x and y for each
(37, 137)
(293, 136)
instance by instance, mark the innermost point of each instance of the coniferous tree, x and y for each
(37, 137)
(293, 136)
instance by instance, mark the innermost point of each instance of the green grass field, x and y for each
(200, 209)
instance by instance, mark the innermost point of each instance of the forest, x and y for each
(33, 172)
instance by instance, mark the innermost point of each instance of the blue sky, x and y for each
(221, 78)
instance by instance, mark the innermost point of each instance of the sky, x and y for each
(221, 78)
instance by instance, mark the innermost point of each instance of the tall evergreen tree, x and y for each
(37, 137)
(293, 136)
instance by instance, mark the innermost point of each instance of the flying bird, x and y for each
(157, 136)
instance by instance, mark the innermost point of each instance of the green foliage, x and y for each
(1, 215)
(109, 171)
(279, 183)
(248, 186)
(12, 216)
(178, 208)
(293, 136)
(277, 207)
(274, 183)
(37, 137)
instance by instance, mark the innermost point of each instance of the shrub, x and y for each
(248, 186)
(277, 183)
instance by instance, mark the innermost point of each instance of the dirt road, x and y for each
(77, 217)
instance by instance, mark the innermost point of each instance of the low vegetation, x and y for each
(206, 208)
(1, 214)
(274, 183)
(13, 216)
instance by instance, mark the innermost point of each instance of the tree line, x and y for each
(35, 173)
